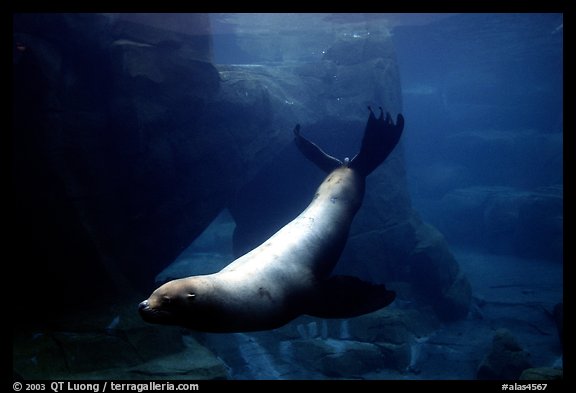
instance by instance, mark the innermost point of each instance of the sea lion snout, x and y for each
(150, 314)
(143, 306)
(144, 310)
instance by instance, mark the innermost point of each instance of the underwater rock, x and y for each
(513, 152)
(196, 362)
(64, 354)
(338, 358)
(396, 357)
(434, 180)
(436, 276)
(38, 357)
(106, 342)
(358, 48)
(506, 220)
(392, 325)
(540, 228)
(392, 330)
(386, 325)
(506, 359)
(85, 351)
(542, 373)
(136, 353)
(150, 342)
(188, 34)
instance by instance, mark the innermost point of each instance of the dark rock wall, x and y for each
(51, 66)
(121, 152)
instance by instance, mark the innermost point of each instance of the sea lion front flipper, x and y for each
(312, 152)
(347, 296)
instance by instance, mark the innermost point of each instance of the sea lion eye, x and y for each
(165, 300)
(190, 296)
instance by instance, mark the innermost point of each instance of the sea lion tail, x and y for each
(312, 152)
(380, 137)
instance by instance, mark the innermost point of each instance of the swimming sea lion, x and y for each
(289, 274)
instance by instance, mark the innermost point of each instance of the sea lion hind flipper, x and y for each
(346, 297)
(313, 153)
(381, 135)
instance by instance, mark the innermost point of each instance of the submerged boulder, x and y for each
(436, 275)
(542, 373)
(346, 358)
(382, 340)
(506, 360)
(506, 220)
(123, 349)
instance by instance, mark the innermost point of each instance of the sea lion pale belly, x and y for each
(289, 274)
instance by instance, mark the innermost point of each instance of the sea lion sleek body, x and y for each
(289, 274)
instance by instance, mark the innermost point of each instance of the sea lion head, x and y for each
(182, 302)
